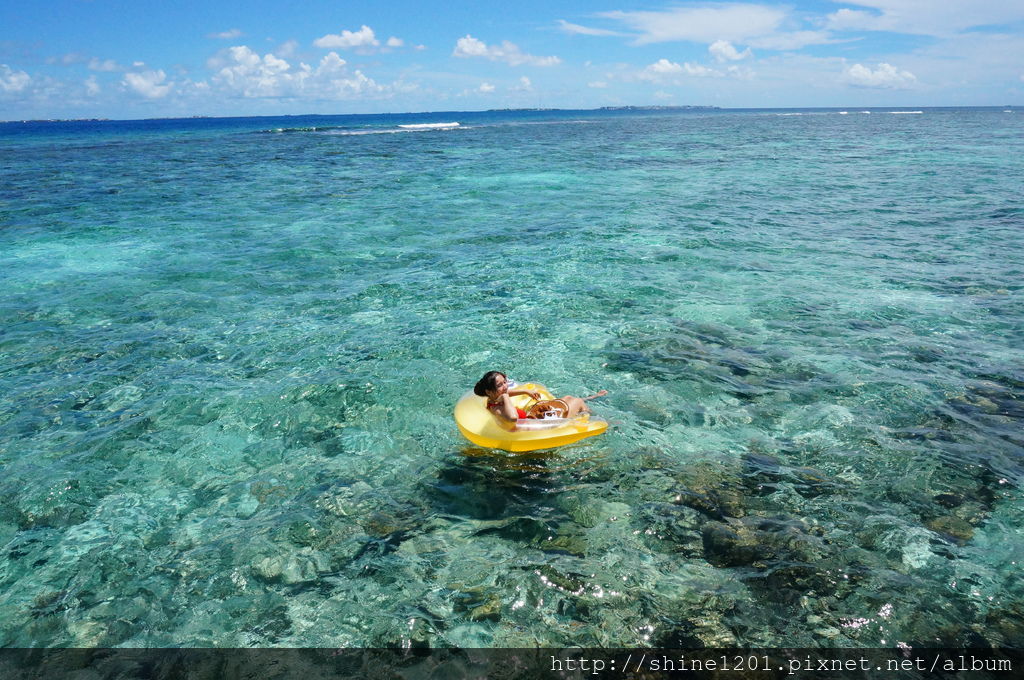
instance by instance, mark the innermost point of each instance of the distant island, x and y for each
(687, 107)
(59, 120)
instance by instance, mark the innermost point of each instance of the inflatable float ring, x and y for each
(483, 428)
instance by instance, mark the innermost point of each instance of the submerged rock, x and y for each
(685, 350)
(762, 465)
(1008, 622)
(712, 490)
(572, 544)
(346, 501)
(952, 527)
(478, 604)
(906, 543)
(764, 473)
(715, 503)
(488, 611)
(667, 527)
(756, 541)
(812, 482)
(987, 398)
(682, 635)
(537, 534)
(973, 513)
(925, 354)
(726, 546)
(304, 566)
(304, 533)
(88, 633)
(593, 512)
(949, 500)
(382, 525)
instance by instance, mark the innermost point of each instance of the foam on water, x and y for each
(428, 126)
(342, 130)
(229, 361)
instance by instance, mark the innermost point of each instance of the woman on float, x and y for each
(496, 387)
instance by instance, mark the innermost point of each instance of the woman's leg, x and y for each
(576, 406)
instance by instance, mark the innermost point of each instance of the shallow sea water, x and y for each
(229, 350)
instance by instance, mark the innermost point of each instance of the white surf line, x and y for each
(428, 126)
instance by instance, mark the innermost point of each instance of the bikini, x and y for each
(520, 413)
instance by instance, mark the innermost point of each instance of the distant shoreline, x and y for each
(638, 108)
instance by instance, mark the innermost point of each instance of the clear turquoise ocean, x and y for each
(230, 348)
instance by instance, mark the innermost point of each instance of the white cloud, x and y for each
(13, 81)
(91, 86)
(68, 59)
(287, 49)
(395, 42)
(792, 40)
(226, 35)
(794, 79)
(470, 47)
(925, 17)
(886, 76)
(150, 84)
(355, 86)
(723, 51)
(576, 29)
(362, 40)
(94, 63)
(331, 63)
(485, 88)
(664, 66)
(760, 26)
(242, 72)
(740, 72)
(699, 70)
(853, 20)
(664, 69)
(97, 64)
(525, 85)
(733, 22)
(507, 52)
(966, 62)
(598, 84)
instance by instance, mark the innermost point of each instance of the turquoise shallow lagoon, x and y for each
(229, 350)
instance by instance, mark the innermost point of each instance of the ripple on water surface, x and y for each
(229, 361)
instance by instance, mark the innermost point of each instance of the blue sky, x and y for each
(120, 59)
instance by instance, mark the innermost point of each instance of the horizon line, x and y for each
(622, 107)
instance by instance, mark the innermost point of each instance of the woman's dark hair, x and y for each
(486, 383)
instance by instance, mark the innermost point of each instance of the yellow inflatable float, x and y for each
(479, 426)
